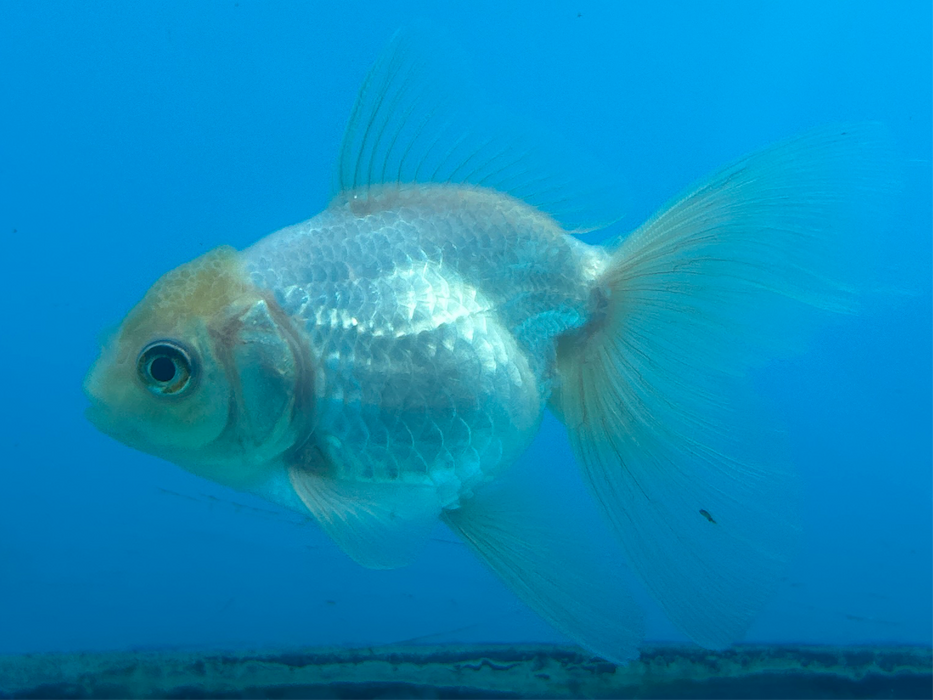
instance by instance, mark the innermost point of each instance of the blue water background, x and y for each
(136, 136)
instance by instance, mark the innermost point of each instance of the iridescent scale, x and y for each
(431, 313)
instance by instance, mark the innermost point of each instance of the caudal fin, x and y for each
(695, 488)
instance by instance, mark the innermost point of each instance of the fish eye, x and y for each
(166, 368)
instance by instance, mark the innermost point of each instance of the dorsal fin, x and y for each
(415, 121)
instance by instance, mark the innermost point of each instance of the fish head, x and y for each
(207, 372)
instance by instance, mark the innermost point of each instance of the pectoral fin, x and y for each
(378, 525)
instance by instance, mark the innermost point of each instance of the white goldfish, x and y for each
(381, 365)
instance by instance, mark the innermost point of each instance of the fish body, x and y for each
(430, 314)
(380, 366)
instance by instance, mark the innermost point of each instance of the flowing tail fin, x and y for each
(652, 391)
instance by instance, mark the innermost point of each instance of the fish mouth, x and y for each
(97, 413)
(110, 416)
(100, 413)
(111, 424)
(102, 418)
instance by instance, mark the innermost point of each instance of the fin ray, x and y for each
(378, 525)
(534, 543)
(415, 121)
(692, 479)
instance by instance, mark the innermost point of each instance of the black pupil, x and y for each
(162, 369)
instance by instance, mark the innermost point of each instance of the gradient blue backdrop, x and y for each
(135, 136)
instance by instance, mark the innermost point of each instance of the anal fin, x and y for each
(535, 543)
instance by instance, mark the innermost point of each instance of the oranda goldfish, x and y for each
(383, 364)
